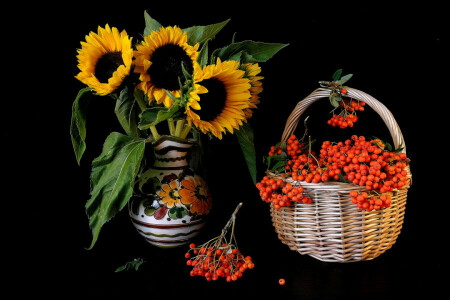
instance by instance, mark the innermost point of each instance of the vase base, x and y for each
(163, 244)
(168, 236)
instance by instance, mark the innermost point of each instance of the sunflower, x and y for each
(105, 59)
(220, 97)
(158, 61)
(251, 72)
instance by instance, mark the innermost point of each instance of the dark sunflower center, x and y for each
(166, 66)
(213, 102)
(107, 65)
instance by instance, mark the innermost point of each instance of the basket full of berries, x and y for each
(347, 202)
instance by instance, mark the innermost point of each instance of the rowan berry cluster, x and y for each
(366, 164)
(280, 193)
(219, 257)
(351, 105)
(218, 260)
(370, 202)
(293, 148)
(343, 121)
(347, 117)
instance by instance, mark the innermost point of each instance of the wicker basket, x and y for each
(332, 228)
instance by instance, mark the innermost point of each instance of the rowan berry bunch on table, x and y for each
(219, 258)
(365, 163)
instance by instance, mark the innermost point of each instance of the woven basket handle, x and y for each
(385, 114)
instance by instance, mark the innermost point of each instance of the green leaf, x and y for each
(334, 99)
(202, 58)
(233, 39)
(150, 24)
(337, 75)
(344, 79)
(127, 112)
(246, 140)
(186, 74)
(154, 115)
(342, 179)
(279, 157)
(141, 98)
(78, 122)
(138, 263)
(398, 150)
(278, 165)
(200, 34)
(255, 51)
(171, 96)
(112, 179)
(134, 264)
(236, 56)
(120, 269)
(388, 147)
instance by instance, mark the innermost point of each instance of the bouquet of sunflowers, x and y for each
(170, 77)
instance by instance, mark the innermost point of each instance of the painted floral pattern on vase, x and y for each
(172, 201)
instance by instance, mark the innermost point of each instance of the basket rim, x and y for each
(333, 185)
(329, 185)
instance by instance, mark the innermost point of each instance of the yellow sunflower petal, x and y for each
(106, 44)
(156, 40)
(238, 98)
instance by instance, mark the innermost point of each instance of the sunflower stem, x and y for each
(141, 103)
(171, 126)
(179, 127)
(186, 131)
(154, 132)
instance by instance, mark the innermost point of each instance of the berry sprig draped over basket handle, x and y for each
(377, 106)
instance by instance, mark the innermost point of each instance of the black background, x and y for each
(397, 55)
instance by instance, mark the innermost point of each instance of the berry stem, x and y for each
(231, 221)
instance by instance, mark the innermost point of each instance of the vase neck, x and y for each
(172, 153)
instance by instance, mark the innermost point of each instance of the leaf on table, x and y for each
(131, 265)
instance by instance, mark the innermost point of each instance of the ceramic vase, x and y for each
(172, 200)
